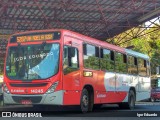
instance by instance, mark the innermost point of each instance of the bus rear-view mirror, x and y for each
(71, 52)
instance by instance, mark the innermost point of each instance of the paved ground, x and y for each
(107, 110)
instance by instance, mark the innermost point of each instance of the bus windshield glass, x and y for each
(32, 62)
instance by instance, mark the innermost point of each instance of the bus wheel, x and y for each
(1, 100)
(1, 103)
(131, 101)
(86, 104)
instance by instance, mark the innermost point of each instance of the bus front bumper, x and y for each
(55, 98)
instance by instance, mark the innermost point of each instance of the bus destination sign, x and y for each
(31, 38)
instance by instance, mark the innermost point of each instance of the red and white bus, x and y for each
(61, 67)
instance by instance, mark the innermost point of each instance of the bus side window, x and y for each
(145, 67)
(142, 67)
(70, 59)
(124, 63)
(135, 66)
(112, 61)
(148, 68)
(120, 63)
(105, 60)
(91, 56)
(112, 55)
(132, 65)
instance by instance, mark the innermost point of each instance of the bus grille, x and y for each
(28, 85)
(34, 99)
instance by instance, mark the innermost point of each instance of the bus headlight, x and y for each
(5, 89)
(52, 88)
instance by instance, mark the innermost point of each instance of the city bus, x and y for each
(61, 67)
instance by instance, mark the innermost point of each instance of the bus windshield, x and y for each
(32, 61)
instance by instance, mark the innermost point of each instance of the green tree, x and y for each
(147, 44)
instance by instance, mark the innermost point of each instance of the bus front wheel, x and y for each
(86, 102)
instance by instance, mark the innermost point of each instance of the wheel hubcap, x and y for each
(85, 100)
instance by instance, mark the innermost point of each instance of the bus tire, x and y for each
(2, 102)
(131, 101)
(86, 102)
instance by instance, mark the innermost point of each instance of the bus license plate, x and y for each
(26, 102)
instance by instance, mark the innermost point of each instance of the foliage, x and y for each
(148, 44)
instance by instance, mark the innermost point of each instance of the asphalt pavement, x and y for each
(108, 110)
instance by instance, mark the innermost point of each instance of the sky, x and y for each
(156, 21)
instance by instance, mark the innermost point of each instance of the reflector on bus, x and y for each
(87, 73)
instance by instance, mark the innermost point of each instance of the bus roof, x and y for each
(136, 54)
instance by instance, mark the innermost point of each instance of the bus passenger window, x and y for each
(112, 55)
(124, 64)
(132, 65)
(135, 61)
(145, 63)
(70, 59)
(142, 67)
(148, 68)
(91, 56)
(112, 61)
(120, 63)
(105, 60)
(124, 58)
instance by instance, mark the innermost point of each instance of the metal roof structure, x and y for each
(146, 28)
(101, 19)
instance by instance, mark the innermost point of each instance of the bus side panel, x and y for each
(72, 80)
(110, 88)
(100, 91)
(141, 85)
(71, 86)
(104, 85)
(113, 97)
(72, 98)
(143, 88)
(104, 88)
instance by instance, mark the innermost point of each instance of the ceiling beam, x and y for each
(149, 16)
